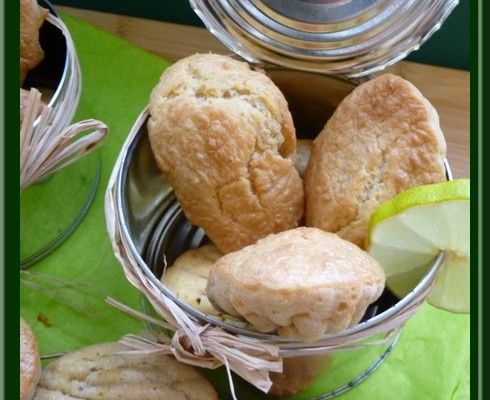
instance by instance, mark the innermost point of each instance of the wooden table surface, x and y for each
(447, 89)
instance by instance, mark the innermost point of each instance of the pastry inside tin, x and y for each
(382, 139)
(301, 283)
(32, 16)
(223, 136)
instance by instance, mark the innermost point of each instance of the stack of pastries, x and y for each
(287, 221)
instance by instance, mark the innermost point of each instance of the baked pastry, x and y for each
(223, 136)
(188, 276)
(304, 150)
(101, 372)
(383, 139)
(32, 17)
(30, 362)
(303, 283)
(297, 374)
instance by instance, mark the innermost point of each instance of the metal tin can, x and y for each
(58, 77)
(351, 38)
(59, 72)
(332, 45)
(155, 228)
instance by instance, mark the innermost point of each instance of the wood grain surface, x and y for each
(447, 89)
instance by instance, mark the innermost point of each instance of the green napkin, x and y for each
(117, 80)
(429, 362)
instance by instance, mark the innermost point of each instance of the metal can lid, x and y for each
(351, 38)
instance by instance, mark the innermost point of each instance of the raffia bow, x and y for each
(208, 347)
(44, 151)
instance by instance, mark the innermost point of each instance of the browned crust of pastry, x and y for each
(224, 137)
(103, 372)
(303, 282)
(30, 362)
(383, 139)
(32, 17)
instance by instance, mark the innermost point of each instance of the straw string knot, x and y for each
(208, 347)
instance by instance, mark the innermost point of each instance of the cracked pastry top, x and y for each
(105, 371)
(383, 139)
(302, 283)
(223, 136)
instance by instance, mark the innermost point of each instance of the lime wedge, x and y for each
(407, 232)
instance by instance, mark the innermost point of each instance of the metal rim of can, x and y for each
(287, 346)
(65, 99)
(354, 45)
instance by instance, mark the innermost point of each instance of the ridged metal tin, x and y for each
(67, 85)
(154, 228)
(60, 74)
(352, 38)
(315, 51)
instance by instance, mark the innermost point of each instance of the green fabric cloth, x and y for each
(429, 362)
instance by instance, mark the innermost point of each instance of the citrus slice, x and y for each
(407, 232)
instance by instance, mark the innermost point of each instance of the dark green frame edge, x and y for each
(11, 232)
(479, 387)
(480, 298)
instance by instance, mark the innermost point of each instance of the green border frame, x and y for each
(479, 144)
(479, 216)
(11, 232)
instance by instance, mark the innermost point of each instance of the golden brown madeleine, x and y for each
(383, 139)
(30, 362)
(303, 282)
(188, 276)
(224, 137)
(102, 372)
(32, 17)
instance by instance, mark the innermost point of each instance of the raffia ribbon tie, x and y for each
(44, 150)
(47, 144)
(251, 361)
